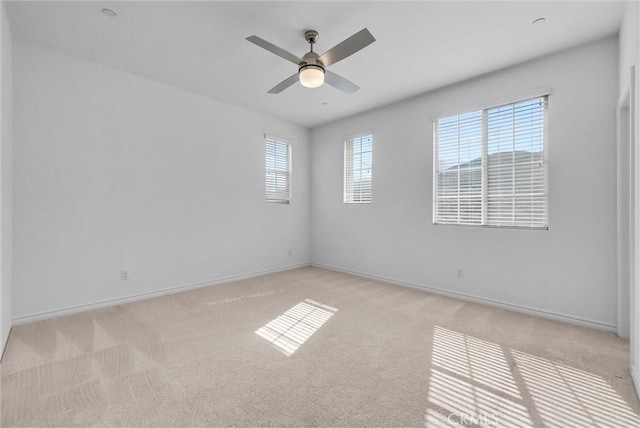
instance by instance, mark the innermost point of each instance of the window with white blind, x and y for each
(277, 171)
(490, 166)
(358, 153)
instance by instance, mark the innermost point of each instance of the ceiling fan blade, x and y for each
(284, 84)
(274, 49)
(353, 44)
(340, 82)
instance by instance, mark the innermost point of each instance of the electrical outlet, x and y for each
(290, 251)
(460, 273)
(124, 275)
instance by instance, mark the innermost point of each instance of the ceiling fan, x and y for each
(312, 68)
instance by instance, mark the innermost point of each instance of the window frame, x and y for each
(345, 194)
(483, 108)
(288, 172)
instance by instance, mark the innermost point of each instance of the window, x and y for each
(277, 171)
(490, 166)
(357, 169)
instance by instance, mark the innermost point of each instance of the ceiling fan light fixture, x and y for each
(311, 75)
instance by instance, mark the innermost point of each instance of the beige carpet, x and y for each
(311, 347)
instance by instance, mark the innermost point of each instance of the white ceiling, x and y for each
(201, 46)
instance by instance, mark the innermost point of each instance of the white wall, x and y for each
(5, 178)
(569, 270)
(629, 43)
(629, 57)
(113, 171)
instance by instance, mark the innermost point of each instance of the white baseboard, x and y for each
(135, 297)
(184, 287)
(476, 299)
(4, 345)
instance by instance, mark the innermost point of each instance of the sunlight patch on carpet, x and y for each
(568, 396)
(294, 327)
(479, 383)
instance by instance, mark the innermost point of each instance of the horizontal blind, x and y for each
(458, 169)
(489, 166)
(516, 188)
(277, 171)
(358, 154)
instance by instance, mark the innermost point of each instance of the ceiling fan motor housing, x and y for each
(310, 60)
